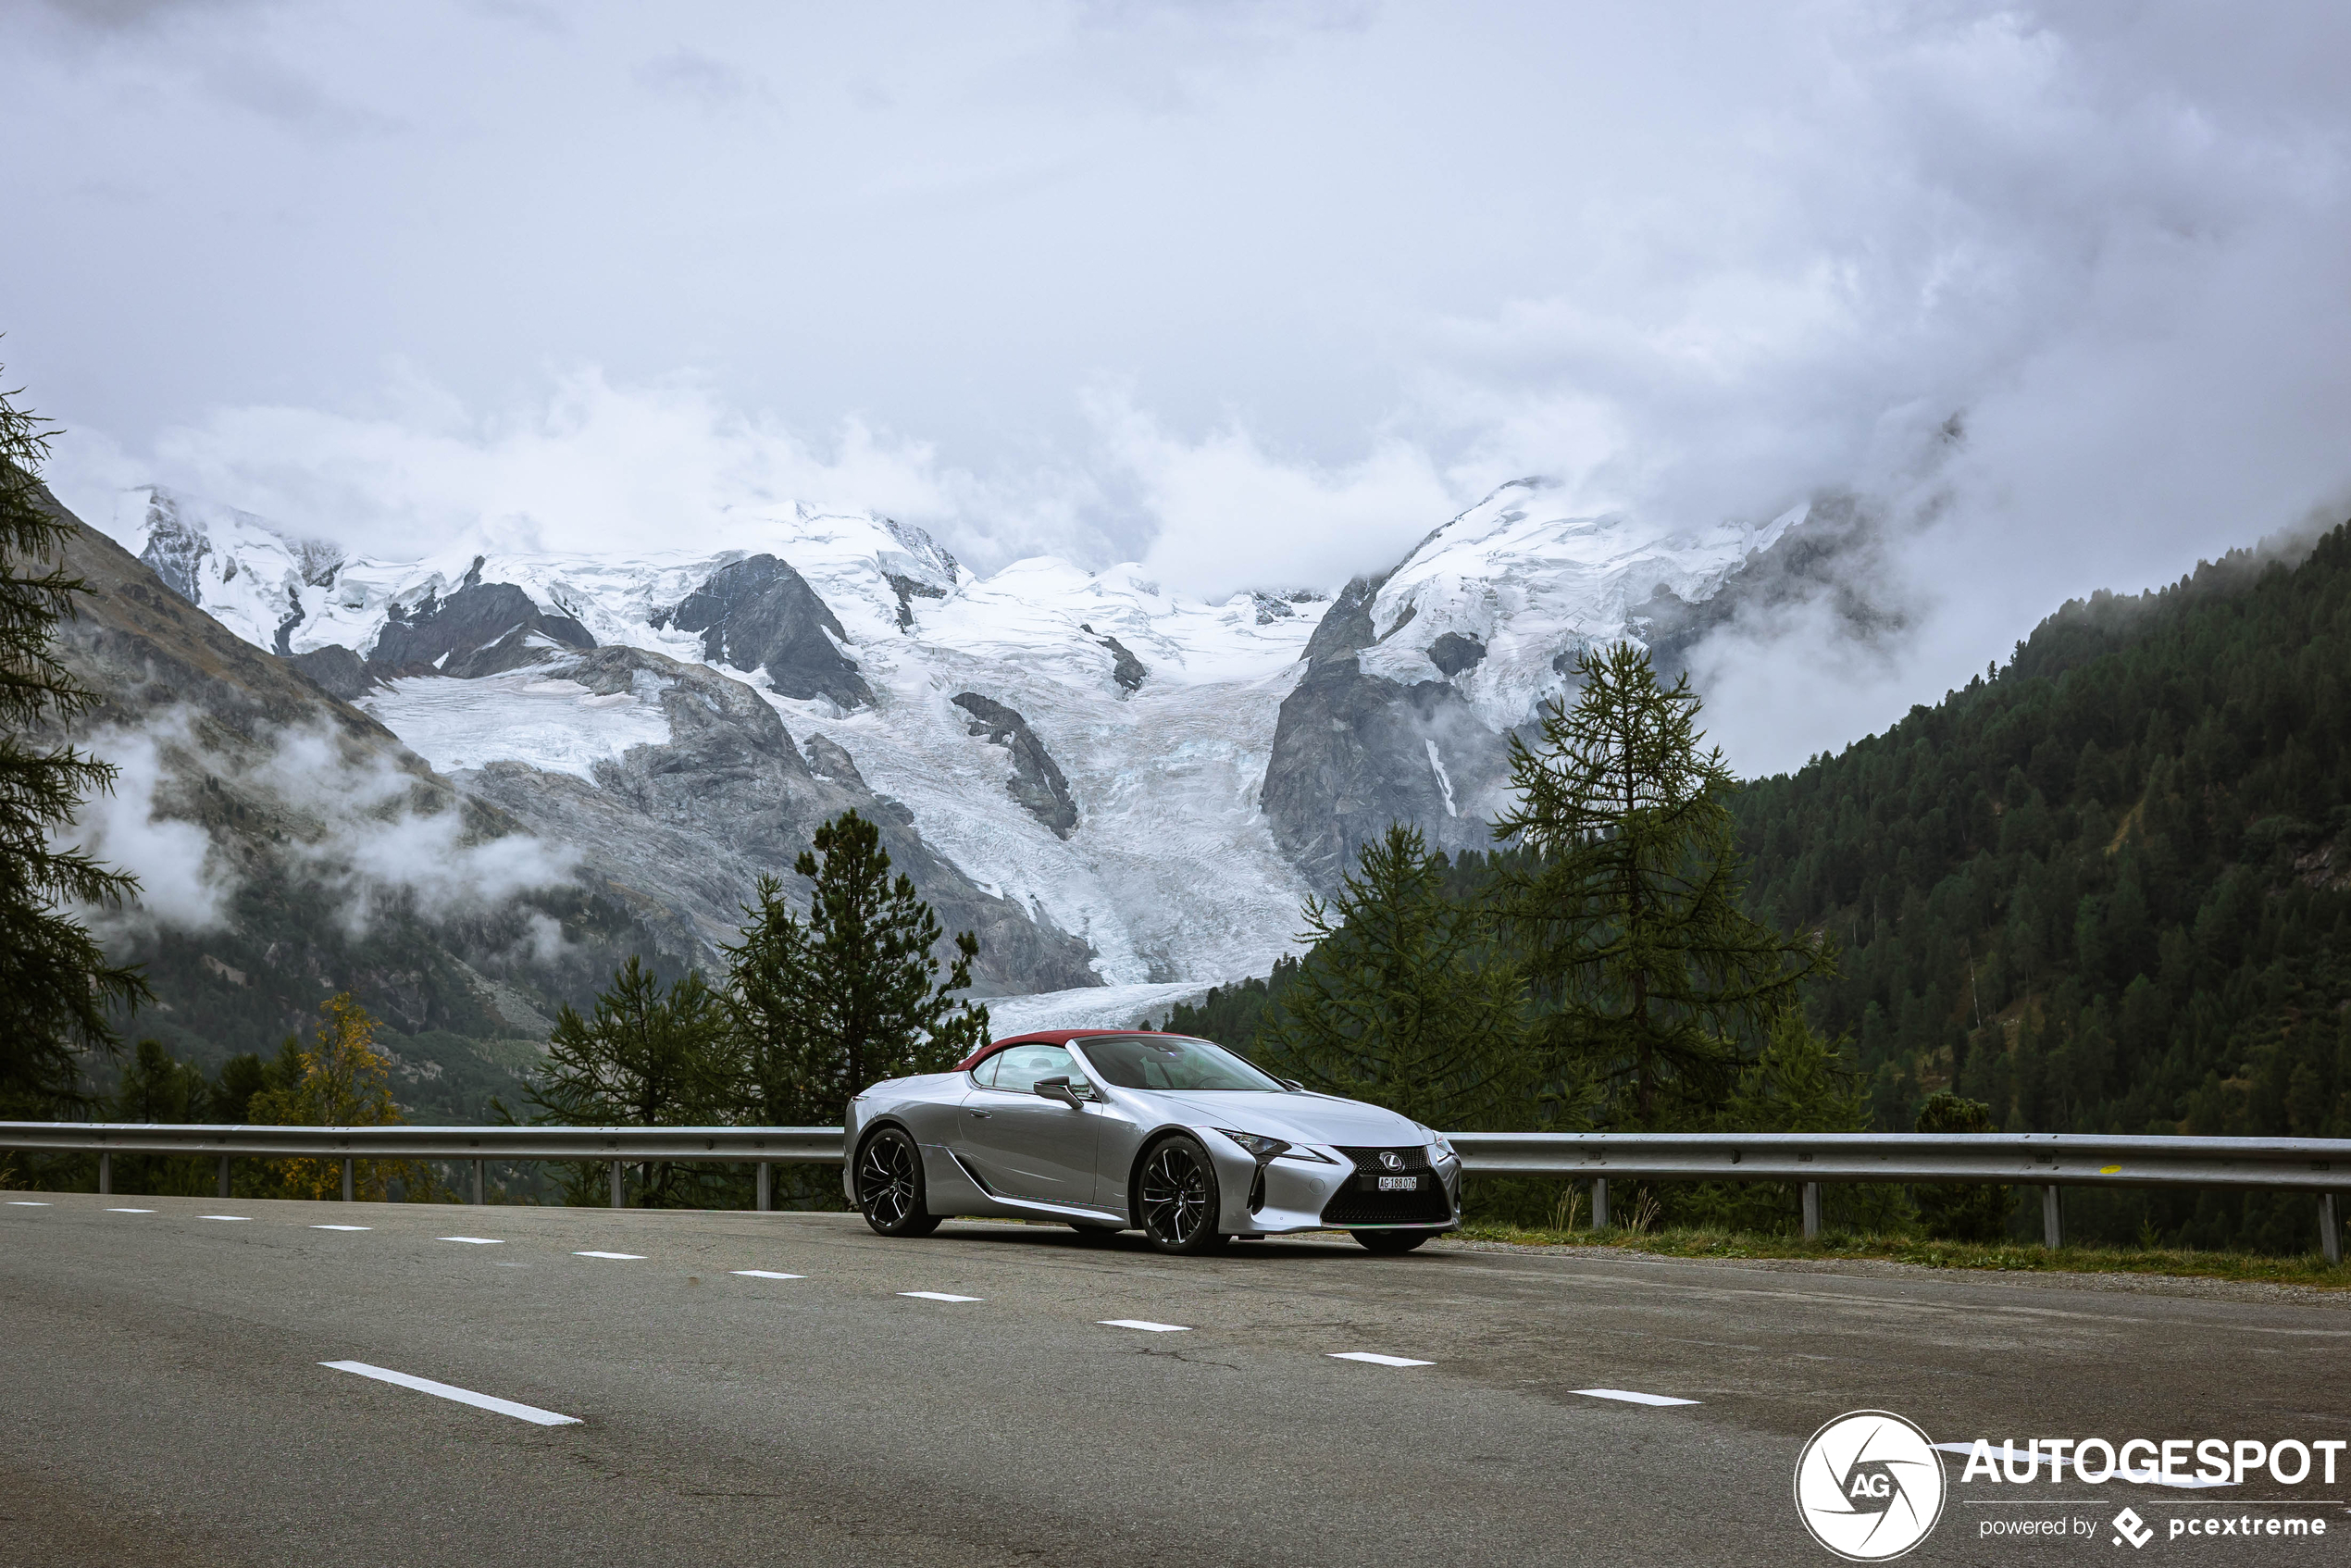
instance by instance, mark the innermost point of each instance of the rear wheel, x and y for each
(890, 1185)
(1178, 1193)
(1392, 1240)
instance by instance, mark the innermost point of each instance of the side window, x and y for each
(985, 1073)
(1019, 1068)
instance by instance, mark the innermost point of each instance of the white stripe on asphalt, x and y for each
(1376, 1359)
(342, 1228)
(2149, 1477)
(1146, 1327)
(474, 1240)
(937, 1296)
(224, 1216)
(1630, 1398)
(766, 1274)
(463, 1396)
(631, 1257)
(130, 1211)
(25, 1203)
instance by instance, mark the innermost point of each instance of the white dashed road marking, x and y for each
(25, 1203)
(937, 1296)
(1630, 1398)
(765, 1273)
(1146, 1327)
(342, 1228)
(631, 1257)
(471, 1240)
(1376, 1359)
(130, 1211)
(224, 1216)
(531, 1414)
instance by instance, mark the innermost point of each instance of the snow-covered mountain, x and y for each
(1162, 780)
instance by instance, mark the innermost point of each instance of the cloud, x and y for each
(184, 882)
(364, 828)
(1345, 268)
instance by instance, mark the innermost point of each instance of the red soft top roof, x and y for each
(1039, 1037)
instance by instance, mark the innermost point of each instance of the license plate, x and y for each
(1399, 1184)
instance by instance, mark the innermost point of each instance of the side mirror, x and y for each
(1292, 1084)
(1058, 1089)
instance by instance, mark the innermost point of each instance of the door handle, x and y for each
(983, 1115)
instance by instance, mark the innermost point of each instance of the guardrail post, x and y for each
(619, 1198)
(1812, 1210)
(479, 1181)
(2329, 1230)
(2052, 1219)
(767, 1185)
(224, 1175)
(347, 1183)
(1599, 1203)
(105, 1174)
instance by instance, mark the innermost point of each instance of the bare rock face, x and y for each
(1353, 752)
(682, 831)
(336, 670)
(1125, 669)
(759, 614)
(1036, 782)
(482, 628)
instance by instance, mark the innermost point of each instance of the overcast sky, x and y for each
(1256, 294)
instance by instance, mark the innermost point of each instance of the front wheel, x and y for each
(1385, 1241)
(890, 1185)
(1178, 1192)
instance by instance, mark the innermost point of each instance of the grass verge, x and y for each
(2309, 1269)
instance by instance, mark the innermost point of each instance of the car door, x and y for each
(1026, 1146)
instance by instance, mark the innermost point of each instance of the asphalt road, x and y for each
(163, 1400)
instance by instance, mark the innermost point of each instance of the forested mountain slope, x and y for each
(2107, 887)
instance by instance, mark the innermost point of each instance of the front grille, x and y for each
(1361, 1203)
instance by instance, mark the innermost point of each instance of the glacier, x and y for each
(1160, 710)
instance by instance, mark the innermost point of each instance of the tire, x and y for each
(1176, 1197)
(890, 1185)
(1094, 1235)
(1385, 1242)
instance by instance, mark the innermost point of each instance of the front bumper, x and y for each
(1286, 1195)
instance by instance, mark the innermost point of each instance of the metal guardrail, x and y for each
(2049, 1161)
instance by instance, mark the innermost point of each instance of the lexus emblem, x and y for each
(1391, 1158)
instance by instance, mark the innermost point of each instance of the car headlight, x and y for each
(1266, 1148)
(1438, 1142)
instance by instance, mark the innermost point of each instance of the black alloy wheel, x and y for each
(890, 1185)
(1389, 1242)
(1178, 1203)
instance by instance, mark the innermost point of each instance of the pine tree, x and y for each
(852, 994)
(645, 1056)
(1630, 910)
(1405, 1000)
(773, 996)
(56, 985)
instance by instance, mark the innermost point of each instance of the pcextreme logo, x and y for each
(1868, 1486)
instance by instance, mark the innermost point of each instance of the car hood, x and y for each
(1300, 1118)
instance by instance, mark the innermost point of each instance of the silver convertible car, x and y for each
(1110, 1130)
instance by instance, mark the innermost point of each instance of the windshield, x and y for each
(1176, 1061)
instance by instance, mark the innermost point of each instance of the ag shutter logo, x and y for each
(1868, 1486)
